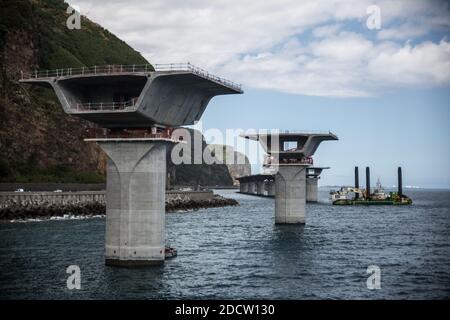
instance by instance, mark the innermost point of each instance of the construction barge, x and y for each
(356, 196)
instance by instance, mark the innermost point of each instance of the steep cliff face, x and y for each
(210, 173)
(237, 163)
(38, 141)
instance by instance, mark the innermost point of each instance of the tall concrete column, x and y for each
(271, 188)
(135, 201)
(312, 189)
(260, 187)
(252, 187)
(244, 187)
(290, 194)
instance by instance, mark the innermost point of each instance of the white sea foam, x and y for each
(58, 218)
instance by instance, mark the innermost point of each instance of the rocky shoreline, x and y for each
(185, 203)
(43, 210)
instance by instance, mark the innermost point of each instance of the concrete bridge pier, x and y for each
(135, 200)
(256, 184)
(243, 187)
(271, 188)
(137, 105)
(290, 195)
(252, 187)
(260, 187)
(312, 179)
(312, 189)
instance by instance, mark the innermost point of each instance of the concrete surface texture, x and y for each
(124, 98)
(135, 202)
(243, 187)
(312, 179)
(136, 99)
(311, 189)
(271, 188)
(260, 190)
(290, 179)
(304, 144)
(315, 171)
(252, 187)
(290, 194)
(267, 187)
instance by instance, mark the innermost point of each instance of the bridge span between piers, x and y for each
(263, 185)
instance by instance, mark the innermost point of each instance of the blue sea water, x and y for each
(238, 252)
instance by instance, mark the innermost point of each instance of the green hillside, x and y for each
(38, 141)
(58, 45)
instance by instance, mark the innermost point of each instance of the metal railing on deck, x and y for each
(107, 69)
(104, 106)
(152, 133)
(270, 160)
(134, 68)
(196, 70)
(304, 132)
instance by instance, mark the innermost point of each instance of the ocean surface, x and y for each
(238, 253)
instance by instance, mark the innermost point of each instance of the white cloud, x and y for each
(426, 64)
(264, 44)
(404, 31)
(327, 30)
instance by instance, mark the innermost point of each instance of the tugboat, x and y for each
(364, 197)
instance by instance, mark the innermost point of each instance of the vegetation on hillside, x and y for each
(191, 174)
(58, 45)
(38, 141)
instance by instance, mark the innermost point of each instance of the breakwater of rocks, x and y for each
(186, 203)
(42, 208)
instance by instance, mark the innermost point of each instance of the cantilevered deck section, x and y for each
(290, 153)
(135, 96)
(136, 108)
(314, 172)
(290, 147)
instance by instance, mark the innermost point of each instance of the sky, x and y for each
(375, 73)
